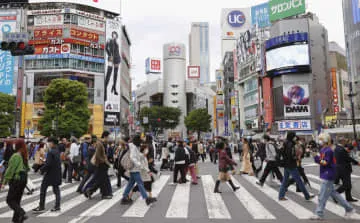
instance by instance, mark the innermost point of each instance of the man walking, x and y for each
(290, 164)
(271, 162)
(344, 168)
(52, 177)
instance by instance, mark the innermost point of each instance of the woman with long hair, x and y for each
(16, 176)
(102, 165)
(246, 167)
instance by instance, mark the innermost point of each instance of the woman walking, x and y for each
(164, 156)
(224, 163)
(246, 167)
(16, 176)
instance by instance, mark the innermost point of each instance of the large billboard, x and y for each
(260, 15)
(113, 6)
(112, 77)
(280, 9)
(9, 22)
(235, 21)
(296, 100)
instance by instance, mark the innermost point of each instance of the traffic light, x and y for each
(17, 48)
(159, 119)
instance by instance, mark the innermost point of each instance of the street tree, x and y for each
(66, 109)
(7, 114)
(198, 121)
(159, 117)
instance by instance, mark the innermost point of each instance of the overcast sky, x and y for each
(151, 23)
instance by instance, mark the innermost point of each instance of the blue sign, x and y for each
(286, 39)
(236, 19)
(6, 71)
(356, 11)
(64, 56)
(260, 15)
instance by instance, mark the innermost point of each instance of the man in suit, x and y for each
(52, 176)
(344, 168)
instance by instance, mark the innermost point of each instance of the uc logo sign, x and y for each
(236, 19)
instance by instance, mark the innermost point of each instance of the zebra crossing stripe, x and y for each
(27, 197)
(139, 208)
(297, 210)
(317, 187)
(215, 204)
(68, 205)
(34, 204)
(179, 204)
(330, 206)
(251, 204)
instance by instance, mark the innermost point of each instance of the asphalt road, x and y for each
(188, 203)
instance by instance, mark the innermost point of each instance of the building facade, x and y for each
(71, 42)
(199, 49)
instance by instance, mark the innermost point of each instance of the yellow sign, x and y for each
(330, 118)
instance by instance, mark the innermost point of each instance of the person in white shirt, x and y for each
(75, 159)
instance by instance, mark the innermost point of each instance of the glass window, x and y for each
(67, 18)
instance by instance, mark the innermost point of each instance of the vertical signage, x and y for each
(112, 79)
(334, 90)
(260, 15)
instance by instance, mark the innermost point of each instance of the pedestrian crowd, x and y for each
(89, 160)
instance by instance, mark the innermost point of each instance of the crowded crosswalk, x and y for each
(180, 201)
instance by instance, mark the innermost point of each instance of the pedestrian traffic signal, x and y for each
(17, 48)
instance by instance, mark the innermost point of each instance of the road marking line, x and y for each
(215, 204)
(139, 208)
(68, 205)
(34, 204)
(330, 206)
(179, 204)
(251, 204)
(295, 209)
(317, 187)
(26, 197)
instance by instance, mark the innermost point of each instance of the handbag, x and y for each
(126, 162)
(76, 159)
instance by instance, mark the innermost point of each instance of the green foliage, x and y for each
(66, 102)
(169, 117)
(7, 115)
(198, 120)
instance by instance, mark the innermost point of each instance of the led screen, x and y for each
(287, 56)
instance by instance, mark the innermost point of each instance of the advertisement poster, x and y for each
(280, 9)
(112, 74)
(235, 21)
(260, 15)
(8, 24)
(296, 100)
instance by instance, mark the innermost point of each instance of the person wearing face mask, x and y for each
(326, 160)
(290, 167)
(344, 168)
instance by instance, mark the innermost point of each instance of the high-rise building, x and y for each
(199, 49)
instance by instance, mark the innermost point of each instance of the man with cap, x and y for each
(52, 176)
(344, 168)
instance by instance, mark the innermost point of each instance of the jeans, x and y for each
(327, 190)
(295, 175)
(135, 178)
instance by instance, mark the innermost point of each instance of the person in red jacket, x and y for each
(224, 164)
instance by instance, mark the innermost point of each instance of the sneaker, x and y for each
(310, 197)
(126, 201)
(352, 200)
(55, 209)
(108, 197)
(39, 210)
(172, 184)
(283, 199)
(349, 214)
(259, 183)
(149, 201)
(316, 218)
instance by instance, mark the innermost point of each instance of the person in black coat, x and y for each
(181, 161)
(52, 176)
(344, 169)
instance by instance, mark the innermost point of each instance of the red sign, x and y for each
(336, 108)
(39, 42)
(84, 35)
(194, 72)
(155, 65)
(10, 17)
(47, 33)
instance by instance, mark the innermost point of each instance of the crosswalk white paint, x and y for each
(215, 204)
(70, 204)
(139, 208)
(294, 208)
(317, 187)
(333, 208)
(179, 204)
(251, 204)
(34, 204)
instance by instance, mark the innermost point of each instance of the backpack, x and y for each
(126, 162)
